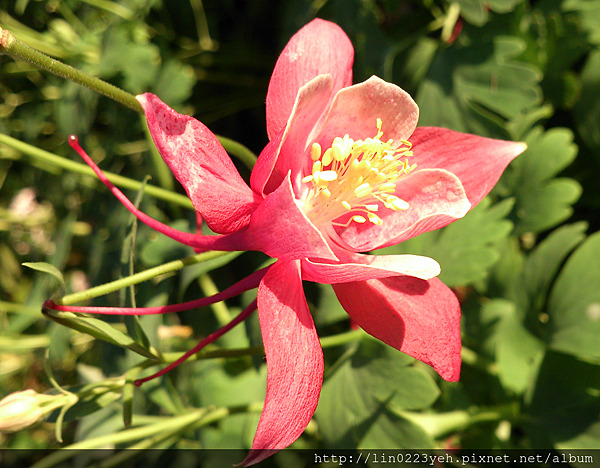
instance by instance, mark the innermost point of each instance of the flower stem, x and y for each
(20, 309)
(220, 308)
(165, 426)
(327, 342)
(438, 425)
(206, 341)
(111, 7)
(471, 358)
(9, 45)
(81, 168)
(140, 277)
(239, 151)
(342, 338)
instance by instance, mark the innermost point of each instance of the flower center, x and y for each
(355, 178)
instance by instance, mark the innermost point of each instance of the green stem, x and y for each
(81, 168)
(111, 7)
(327, 342)
(20, 309)
(239, 151)
(220, 309)
(471, 358)
(9, 45)
(169, 426)
(342, 338)
(139, 277)
(125, 436)
(450, 20)
(438, 425)
(210, 354)
(23, 343)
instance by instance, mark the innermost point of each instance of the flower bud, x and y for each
(19, 410)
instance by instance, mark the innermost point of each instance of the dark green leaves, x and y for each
(352, 408)
(574, 304)
(466, 249)
(542, 202)
(480, 88)
(477, 11)
(128, 52)
(564, 409)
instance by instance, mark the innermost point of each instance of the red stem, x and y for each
(206, 341)
(199, 242)
(247, 283)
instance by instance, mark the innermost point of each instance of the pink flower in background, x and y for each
(345, 171)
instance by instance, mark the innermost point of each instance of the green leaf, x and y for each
(480, 88)
(163, 249)
(587, 109)
(589, 16)
(91, 402)
(541, 200)
(330, 310)
(518, 352)
(214, 385)
(174, 83)
(128, 52)
(466, 249)
(162, 393)
(352, 398)
(574, 304)
(76, 109)
(47, 268)
(542, 265)
(564, 409)
(99, 329)
(477, 11)
(388, 430)
(192, 272)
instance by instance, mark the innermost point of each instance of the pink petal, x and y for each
(420, 318)
(319, 48)
(478, 162)
(279, 228)
(357, 267)
(355, 111)
(294, 361)
(289, 151)
(436, 198)
(201, 165)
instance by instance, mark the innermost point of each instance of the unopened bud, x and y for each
(19, 410)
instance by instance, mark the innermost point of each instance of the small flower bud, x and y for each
(19, 410)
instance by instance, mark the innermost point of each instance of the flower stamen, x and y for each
(353, 177)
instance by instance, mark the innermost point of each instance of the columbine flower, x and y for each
(345, 171)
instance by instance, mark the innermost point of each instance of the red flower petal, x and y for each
(357, 267)
(420, 318)
(355, 111)
(436, 198)
(478, 162)
(280, 229)
(201, 165)
(294, 361)
(289, 151)
(319, 48)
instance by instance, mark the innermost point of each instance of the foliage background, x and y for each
(524, 263)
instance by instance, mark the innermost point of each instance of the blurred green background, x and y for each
(525, 263)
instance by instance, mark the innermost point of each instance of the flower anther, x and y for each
(352, 180)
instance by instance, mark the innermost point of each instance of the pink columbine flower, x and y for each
(345, 171)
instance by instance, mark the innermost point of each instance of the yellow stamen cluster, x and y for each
(356, 177)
